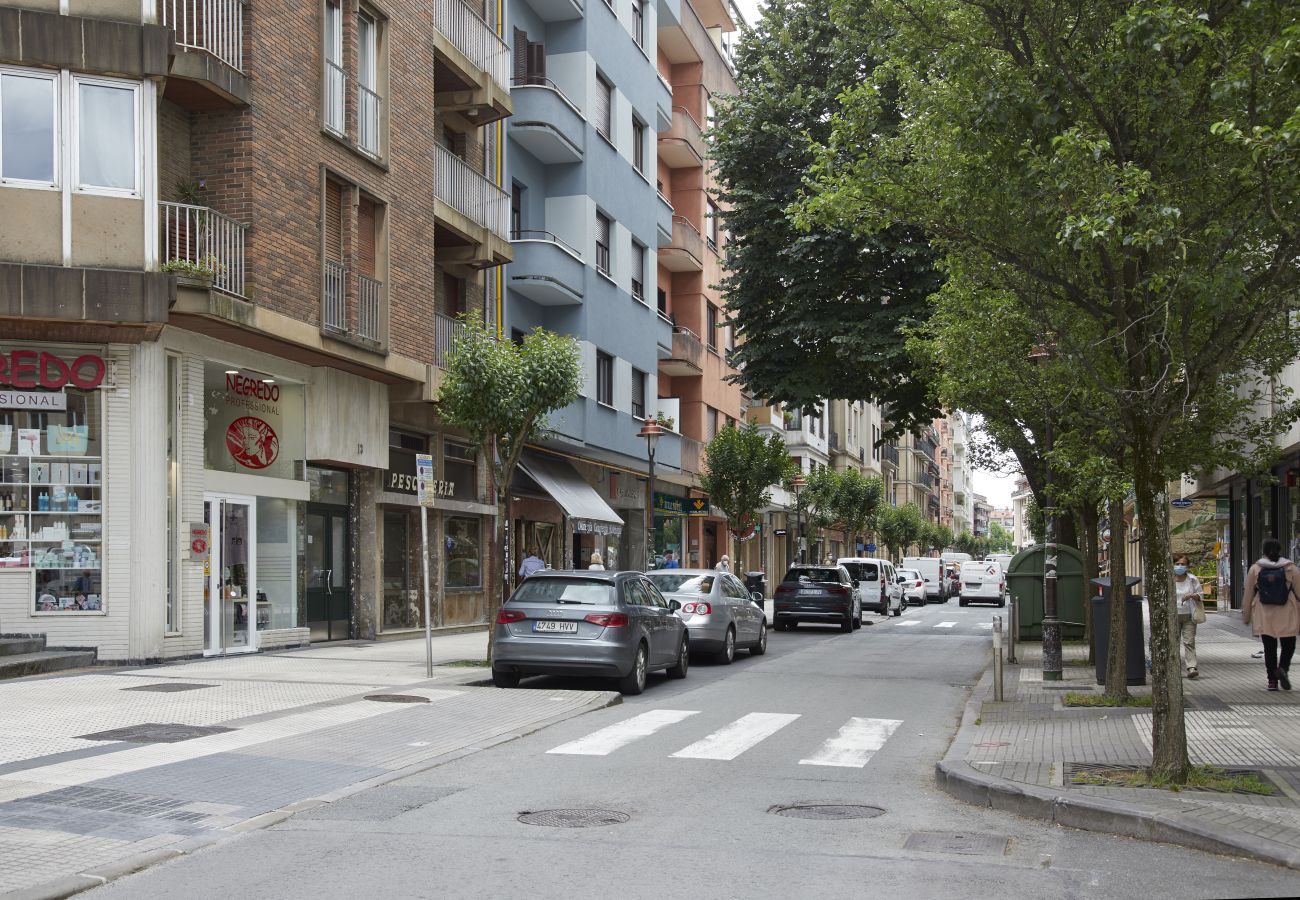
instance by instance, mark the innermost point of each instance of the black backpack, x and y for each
(1273, 586)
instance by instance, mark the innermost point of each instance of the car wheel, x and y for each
(857, 620)
(1002, 602)
(792, 624)
(846, 625)
(503, 679)
(961, 602)
(683, 661)
(633, 682)
(779, 625)
(761, 647)
(728, 651)
(899, 611)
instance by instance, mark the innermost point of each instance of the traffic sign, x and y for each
(1180, 503)
(424, 485)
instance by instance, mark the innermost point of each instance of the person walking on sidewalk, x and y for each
(1271, 607)
(1191, 611)
(596, 561)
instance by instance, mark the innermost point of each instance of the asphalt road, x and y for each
(696, 766)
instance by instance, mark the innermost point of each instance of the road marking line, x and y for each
(732, 740)
(909, 622)
(857, 741)
(987, 626)
(620, 734)
(946, 625)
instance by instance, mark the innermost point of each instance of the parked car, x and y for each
(823, 594)
(935, 574)
(877, 583)
(611, 624)
(913, 586)
(719, 613)
(1002, 559)
(982, 582)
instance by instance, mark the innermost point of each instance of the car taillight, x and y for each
(919, 583)
(697, 609)
(836, 589)
(607, 620)
(506, 616)
(785, 589)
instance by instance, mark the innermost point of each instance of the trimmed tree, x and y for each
(741, 467)
(500, 393)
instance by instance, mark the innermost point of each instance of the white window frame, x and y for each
(55, 80)
(333, 53)
(75, 136)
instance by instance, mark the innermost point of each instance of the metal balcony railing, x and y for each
(470, 193)
(370, 108)
(207, 240)
(334, 312)
(475, 38)
(445, 332)
(216, 26)
(336, 89)
(369, 301)
(889, 453)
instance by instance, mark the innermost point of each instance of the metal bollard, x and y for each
(1013, 626)
(997, 658)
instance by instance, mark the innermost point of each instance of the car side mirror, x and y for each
(756, 597)
(673, 606)
(855, 582)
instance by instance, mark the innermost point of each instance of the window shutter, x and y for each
(366, 222)
(536, 62)
(333, 221)
(602, 230)
(521, 54)
(603, 91)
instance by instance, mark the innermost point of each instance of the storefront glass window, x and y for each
(668, 537)
(254, 423)
(50, 499)
(328, 485)
(464, 543)
(173, 478)
(459, 468)
(403, 574)
(277, 563)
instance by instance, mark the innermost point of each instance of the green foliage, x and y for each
(847, 500)
(1000, 540)
(740, 469)
(901, 527)
(820, 311)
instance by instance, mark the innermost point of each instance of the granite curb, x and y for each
(69, 885)
(955, 776)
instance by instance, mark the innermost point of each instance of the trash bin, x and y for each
(1134, 643)
(1025, 585)
(756, 581)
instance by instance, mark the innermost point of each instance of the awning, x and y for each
(588, 512)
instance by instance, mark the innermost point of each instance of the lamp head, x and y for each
(651, 431)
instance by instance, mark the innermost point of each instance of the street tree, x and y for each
(741, 467)
(1000, 540)
(500, 393)
(819, 312)
(1127, 172)
(901, 527)
(858, 503)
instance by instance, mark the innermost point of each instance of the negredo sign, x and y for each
(37, 369)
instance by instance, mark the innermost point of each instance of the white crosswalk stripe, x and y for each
(607, 740)
(853, 747)
(732, 740)
(907, 622)
(946, 625)
(987, 626)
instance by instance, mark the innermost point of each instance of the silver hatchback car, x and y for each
(612, 624)
(719, 613)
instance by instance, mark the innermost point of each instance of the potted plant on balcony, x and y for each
(666, 421)
(194, 273)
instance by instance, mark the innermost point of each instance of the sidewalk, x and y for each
(1023, 753)
(107, 771)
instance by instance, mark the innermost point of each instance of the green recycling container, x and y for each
(1025, 584)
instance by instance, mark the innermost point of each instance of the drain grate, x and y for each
(155, 733)
(169, 687)
(574, 818)
(397, 698)
(963, 842)
(833, 811)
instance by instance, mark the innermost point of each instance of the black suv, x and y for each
(824, 594)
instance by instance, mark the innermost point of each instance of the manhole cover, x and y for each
(574, 818)
(827, 811)
(397, 698)
(957, 842)
(170, 687)
(155, 733)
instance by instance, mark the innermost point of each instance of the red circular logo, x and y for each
(252, 442)
(199, 545)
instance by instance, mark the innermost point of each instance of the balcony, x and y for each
(472, 60)
(663, 219)
(473, 209)
(686, 252)
(207, 72)
(370, 111)
(556, 10)
(546, 123)
(352, 305)
(545, 269)
(682, 147)
(889, 454)
(692, 455)
(687, 354)
(445, 332)
(670, 408)
(201, 245)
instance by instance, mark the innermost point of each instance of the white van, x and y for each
(877, 583)
(982, 582)
(934, 572)
(1002, 559)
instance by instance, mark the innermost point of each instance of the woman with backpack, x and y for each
(1271, 606)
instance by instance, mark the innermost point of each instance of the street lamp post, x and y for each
(651, 431)
(797, 482)
(1051, 615)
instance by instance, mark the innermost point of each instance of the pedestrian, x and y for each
(669, 562)
(596, 561)
(532, 563)
(1191, 611)
(1271, 607)
(724, 564)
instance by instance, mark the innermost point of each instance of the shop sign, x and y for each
(698, 506)
(254, 426)
(252, 442)
(588, 526)
(401, 476)
(40, 401)
(200, 542)
(779, 532)
(33, 369)
(1180, 503)
(669, 504)
(624, 490)
(1222, 509)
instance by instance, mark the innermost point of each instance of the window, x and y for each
(464, 551)
(27, 135)
(638, 272)
(603, 118)
(711, 327)
(661, 297)
(602, 244)
(453, 295)
(516, 210)
(711, 224)
(638, 22)
(638, 393)
(712, 423)
(710, 114)
(367, 234)
(106, 135)
(604, 378)
(638, 146)
(369, 101)
(529, 60)
(460, 470)
(336, 80)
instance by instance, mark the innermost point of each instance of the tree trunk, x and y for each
(1088, 528)
(1116, 661)
(494, 597)
(1067, 533)
(1168, 729)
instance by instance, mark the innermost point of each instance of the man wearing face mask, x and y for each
(1191, 611)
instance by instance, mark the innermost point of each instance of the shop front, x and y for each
(556, 512)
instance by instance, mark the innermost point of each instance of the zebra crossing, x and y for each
(946, 624)
(851, 747)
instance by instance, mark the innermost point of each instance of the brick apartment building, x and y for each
(234, 238)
